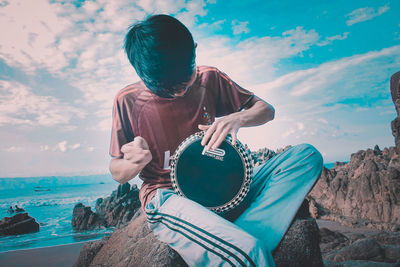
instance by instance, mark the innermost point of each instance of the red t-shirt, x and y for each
(164, 123)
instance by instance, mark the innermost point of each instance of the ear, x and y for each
(195, 45)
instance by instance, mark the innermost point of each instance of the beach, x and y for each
(54, 256)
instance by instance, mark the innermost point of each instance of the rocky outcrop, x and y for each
(114, 211)
(340, 250)
(135, 245)
(364, 191)
(395, 91)
(83, 218)
(20, 223)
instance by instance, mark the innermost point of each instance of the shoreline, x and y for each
(57, 256)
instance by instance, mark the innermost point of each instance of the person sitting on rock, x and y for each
(175, 99)
(10, 210)
(18, 209)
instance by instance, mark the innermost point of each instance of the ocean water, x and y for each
(52, 209)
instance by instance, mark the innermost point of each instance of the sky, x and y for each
(324, 65)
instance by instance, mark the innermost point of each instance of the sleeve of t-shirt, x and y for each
(231, 97)
(121, 131)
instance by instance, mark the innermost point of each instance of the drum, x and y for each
(218, 179)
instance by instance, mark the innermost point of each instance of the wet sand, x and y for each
(55, 256)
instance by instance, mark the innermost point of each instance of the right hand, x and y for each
(137, 151)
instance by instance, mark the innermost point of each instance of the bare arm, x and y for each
(136, 156)
(256, 113)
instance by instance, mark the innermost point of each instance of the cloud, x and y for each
(20, 106)
(62, 146)
(364, 14)
(15, 149)
(253, 60)
(303, 82)
(239, 27)
(32, 28)
(329, 40)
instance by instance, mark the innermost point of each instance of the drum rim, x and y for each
(248, 170)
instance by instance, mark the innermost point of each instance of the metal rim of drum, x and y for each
(245, 157)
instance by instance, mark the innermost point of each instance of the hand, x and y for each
(137, 151)
(219, 130)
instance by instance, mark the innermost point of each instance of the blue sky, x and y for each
(324, 65)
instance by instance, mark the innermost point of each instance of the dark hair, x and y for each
(162, 51)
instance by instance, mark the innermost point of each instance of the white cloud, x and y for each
(31, 28)
(239, 27)
(306, 81)
(330, 39)
(253, 60)
(75, 146)
(364, 14)
(15, 149)
(288, 132)
(300, 126)
(62, 146)
(20, 106)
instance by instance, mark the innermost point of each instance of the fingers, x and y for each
(141, 142)
(217, 139)
(208, 134)
(203, 127)
(234, 138)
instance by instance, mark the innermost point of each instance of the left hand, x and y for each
(219, 130)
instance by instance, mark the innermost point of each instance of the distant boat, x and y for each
(40, 188)
(101, 182)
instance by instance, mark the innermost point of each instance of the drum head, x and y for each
(218, 180)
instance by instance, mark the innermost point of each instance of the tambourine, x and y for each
(218, 179)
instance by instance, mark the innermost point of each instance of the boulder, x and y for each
(300, 245)
(395, 92)
(362, 192)
(83, 218)
(113, 211)
(20, 223)
(136, 245)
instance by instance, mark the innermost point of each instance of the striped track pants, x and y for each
(204, 238)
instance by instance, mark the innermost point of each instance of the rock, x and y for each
(300, 245)
(83, 218)
(91, 248)
(332, 240)
(133, 245)
(395, 91)
(136, 245)
(359, 263)
(114, 211)
(365, 249)
(21, 223)
(363, 192)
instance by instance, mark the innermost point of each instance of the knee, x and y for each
(311, 155)
(257, 252)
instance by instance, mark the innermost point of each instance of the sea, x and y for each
(50, 200)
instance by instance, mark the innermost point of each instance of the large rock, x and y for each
(114, 211)
(359, 249)
(83, 218)
(20, 223)
(364, 191)
(300, 245)
(395, 91)
(135, 245)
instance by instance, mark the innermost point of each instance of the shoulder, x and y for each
(130, 91)
(133, 93)
(209, 74)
